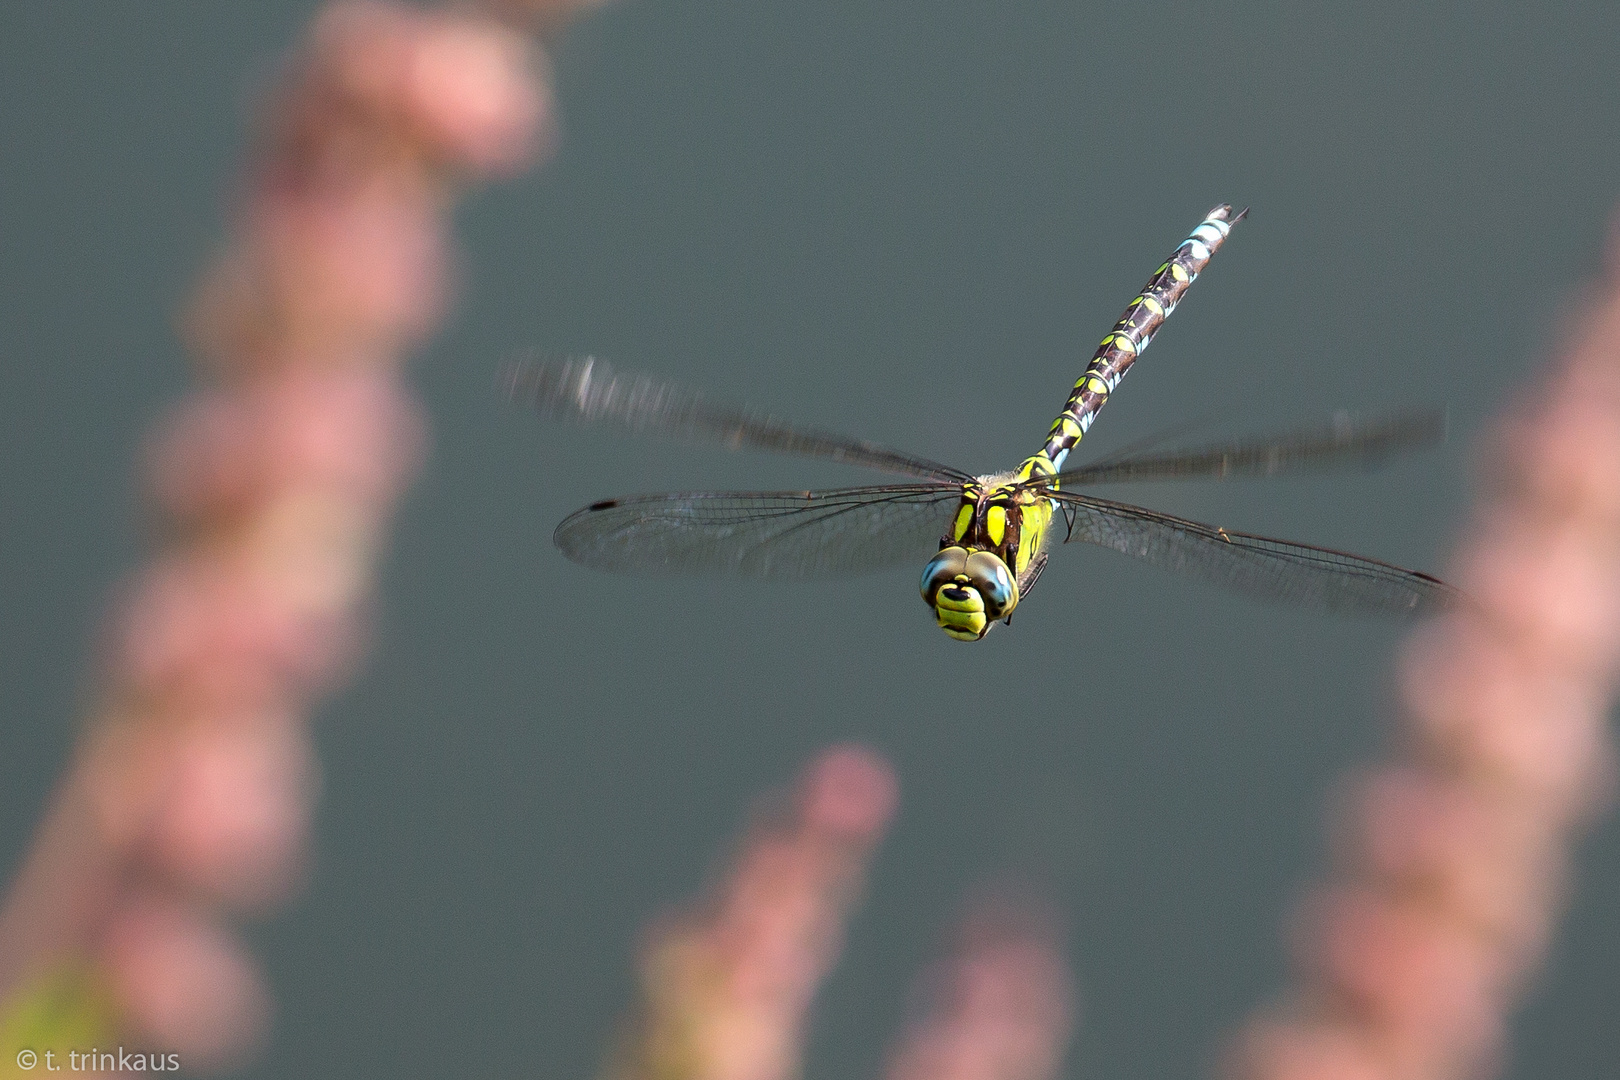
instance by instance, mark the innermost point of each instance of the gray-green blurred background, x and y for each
(912, 221)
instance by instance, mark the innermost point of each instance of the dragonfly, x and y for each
(984, 540)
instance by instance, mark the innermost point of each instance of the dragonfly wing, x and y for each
(591, 390)
(1344, 443)
(776, 535)
(1256, 565)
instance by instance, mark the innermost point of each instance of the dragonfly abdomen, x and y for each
(1135, 329)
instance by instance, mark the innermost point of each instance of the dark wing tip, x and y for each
(605, 504)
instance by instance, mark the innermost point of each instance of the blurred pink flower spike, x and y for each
(1452, 860)
(999, 1007)
(727, 984)
(191, 791)
(183, 983)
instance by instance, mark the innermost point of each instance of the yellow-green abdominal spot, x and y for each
(1041, 464)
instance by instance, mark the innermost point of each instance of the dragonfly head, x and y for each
(969, 591)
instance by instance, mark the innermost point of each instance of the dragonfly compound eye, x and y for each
(994, 582)
(949, 564)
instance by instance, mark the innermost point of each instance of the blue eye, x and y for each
(994, 582)
(942, 568)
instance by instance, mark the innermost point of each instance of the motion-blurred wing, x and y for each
(591, 390)
(1271, 569)
(1345, 443)
(779, 534)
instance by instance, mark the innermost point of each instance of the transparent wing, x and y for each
(1271, 569)
(1343, 443)
(591, 390)
(768, 534)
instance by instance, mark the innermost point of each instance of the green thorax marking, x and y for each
(997, 514)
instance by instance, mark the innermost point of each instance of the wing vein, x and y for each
(774, 535)
(1256, 565)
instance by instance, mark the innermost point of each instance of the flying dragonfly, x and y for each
(985, 539)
